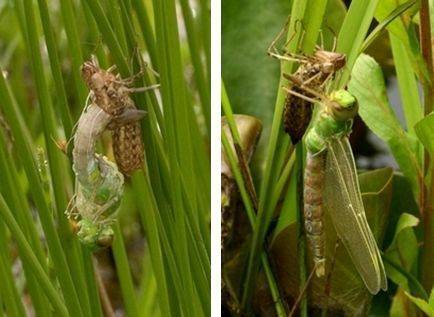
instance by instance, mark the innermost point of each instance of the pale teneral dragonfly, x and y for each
(331, 180)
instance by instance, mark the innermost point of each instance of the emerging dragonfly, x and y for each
(331, 180)
(99, 186)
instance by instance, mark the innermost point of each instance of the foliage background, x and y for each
(400, 207)
(159, 263)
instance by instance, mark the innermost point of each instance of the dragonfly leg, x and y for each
(309, 80)
(289, 57)
(71, 211)
(142, 89)
(111, 68)
(295, 80)
(272, 50)
(329, 76)
(297, 94)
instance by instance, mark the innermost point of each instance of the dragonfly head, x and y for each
(94, 236)
(91, 74)
(88, 69)
(330, 61)
(343, 105)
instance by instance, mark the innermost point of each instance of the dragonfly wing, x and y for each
(344, 204)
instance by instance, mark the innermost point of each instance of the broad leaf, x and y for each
(367, 84)
(403, 249)
(397, 27)
(427, 308)
(425, 132)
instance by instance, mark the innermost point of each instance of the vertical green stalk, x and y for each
(407, 83)
(352, 34)
(151, 223)
(274, 289)
(10, 187)
(71, 30)
(116, 21)
(204, 21)
(179, 148)
(147, 31)
(15, 197)
(264, 214)
(29, 257)
(110, 37)
(200, 79)
(148, 294)
(55, 67)
(123, 269)
(92, 291)
(54, 157)
(428, 203)
(94, 35)
(26, 156)
(12, 300)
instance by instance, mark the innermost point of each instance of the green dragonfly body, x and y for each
(331, 182)
(99, 186)
(97, 205)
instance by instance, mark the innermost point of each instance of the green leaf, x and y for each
(385, 21)
(406, 76)
(425, 132)
(402, 306)
(405, 221)
(422, 304)
(397, 27)
(431, 298)
(403, 249)
(376, 187)
(288, 213)
(404, 32)
(332, 23)
(367, 84)
(353, 31)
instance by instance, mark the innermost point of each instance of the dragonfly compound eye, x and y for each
(343, 105)
(95, 236)
(87, 70)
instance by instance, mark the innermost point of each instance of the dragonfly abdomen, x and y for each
(90, 126)
(128, 147)
(313, 209)
(296, 115)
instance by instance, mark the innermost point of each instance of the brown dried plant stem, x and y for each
(428, 199)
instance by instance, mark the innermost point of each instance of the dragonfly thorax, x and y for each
(330, 62)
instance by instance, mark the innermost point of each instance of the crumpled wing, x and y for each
(344, 204)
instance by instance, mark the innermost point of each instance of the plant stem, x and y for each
(428, 199)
